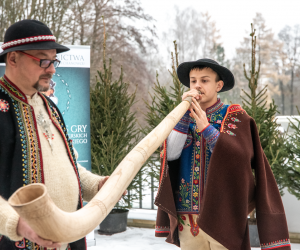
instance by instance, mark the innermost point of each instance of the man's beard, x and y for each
(39, 87)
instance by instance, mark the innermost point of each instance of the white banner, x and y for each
(77, 57)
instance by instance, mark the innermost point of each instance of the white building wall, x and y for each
(292, 210)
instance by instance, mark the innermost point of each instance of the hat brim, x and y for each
(183, 72)
(35, 46)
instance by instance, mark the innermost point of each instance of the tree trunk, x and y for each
(292, 92)
(282, 96)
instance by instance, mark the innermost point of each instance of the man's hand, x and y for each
(101, 183)
(199, 115)
(25, 231)
(193, 93)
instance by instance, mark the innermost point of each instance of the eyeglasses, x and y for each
(44, 63)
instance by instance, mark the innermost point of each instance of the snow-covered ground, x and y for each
(133, 238)
(138, 239)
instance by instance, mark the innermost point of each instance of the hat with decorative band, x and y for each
(29, 35)
(183, 72)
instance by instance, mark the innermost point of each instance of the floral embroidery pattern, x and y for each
(230, 133)
(215, 118)
(235, 119)
(230, 117)
(233, 126)
(181, 219)
(183, 193)
(194, 226)
(196, 172)
(4, 106)
(20, 244)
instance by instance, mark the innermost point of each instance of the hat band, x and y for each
(26, 40)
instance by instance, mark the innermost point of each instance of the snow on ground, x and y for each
(133, 238)
(138, 239)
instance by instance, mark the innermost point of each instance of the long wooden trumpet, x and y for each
(35, 206)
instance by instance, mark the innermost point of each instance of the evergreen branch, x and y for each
(246, 94)
(260, 93)
(261, 102)
(245, 73)
(261, 98)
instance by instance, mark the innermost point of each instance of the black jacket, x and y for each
(20, 150)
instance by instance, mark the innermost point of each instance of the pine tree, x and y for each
(272, 140)
(292, 182)
(113, 131)
(163, 101)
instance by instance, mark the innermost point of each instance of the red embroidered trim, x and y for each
(84, 242)
(26, 40)
(179, 131)
(164, 160)
(234, 108)
(161, 230)
(204, 128)
(276, 244)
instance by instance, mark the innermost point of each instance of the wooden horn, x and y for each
(35, 206)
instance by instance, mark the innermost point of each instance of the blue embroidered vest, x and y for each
(194, 162)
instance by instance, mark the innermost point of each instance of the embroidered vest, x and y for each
(194, 161)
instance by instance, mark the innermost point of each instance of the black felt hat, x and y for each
(29, 35)
(183, 72)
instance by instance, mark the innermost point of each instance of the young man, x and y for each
(207, 188)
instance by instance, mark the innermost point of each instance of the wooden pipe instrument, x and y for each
(35, 206)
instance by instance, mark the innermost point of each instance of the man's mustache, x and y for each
(45, 76)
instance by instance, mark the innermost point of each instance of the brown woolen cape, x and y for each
(230, 190)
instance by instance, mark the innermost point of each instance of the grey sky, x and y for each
(232, 17)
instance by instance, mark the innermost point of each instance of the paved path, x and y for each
(138, 239)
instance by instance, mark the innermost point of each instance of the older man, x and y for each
(34, 144)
